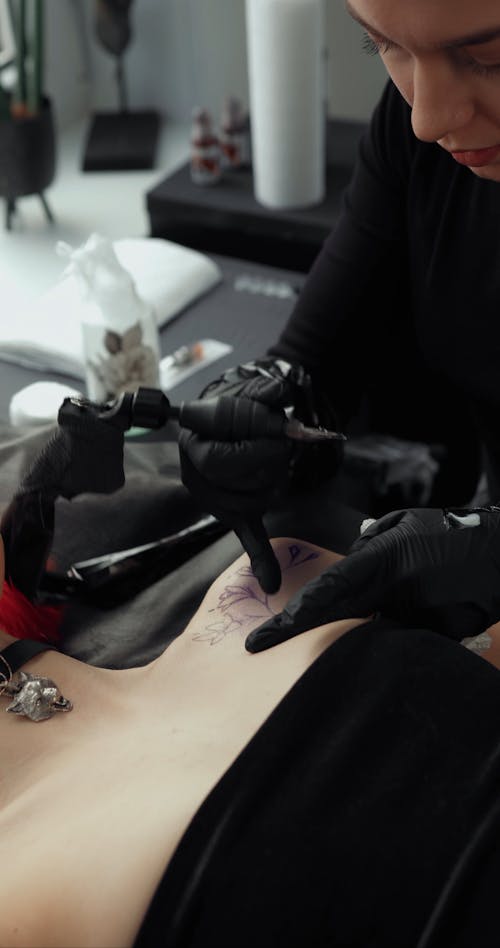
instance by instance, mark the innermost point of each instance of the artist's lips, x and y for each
(477, 157)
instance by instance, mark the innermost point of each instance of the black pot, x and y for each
(27, 153)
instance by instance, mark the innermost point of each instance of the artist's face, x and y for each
(444, 57)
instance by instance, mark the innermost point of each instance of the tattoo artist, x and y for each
(404, 292)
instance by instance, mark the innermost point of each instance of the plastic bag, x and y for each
(119, 330)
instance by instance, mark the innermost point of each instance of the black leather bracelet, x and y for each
(20, 652)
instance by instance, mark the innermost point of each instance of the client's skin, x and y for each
(94, 801)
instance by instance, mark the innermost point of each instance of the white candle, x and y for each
(285, 47)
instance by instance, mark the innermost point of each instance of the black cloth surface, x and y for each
(398, 319)
(356, 815)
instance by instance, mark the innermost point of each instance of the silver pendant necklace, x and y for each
(33, 696)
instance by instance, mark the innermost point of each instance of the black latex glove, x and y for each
(85, 454)
(236, 480)
(434, 568)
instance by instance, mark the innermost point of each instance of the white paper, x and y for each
(286, 72)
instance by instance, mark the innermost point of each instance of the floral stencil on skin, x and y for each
(242, 602)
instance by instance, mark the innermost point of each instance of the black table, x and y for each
(225, 218)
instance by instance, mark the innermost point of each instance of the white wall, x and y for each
(190, 52)
(183, 53)
(66, 67)
(355, 80)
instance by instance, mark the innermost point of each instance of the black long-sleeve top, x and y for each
(403, 301)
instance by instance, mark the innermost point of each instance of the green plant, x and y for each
(26, 97)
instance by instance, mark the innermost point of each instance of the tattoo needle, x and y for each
(299, 432)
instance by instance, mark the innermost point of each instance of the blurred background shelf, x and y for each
(225, 218)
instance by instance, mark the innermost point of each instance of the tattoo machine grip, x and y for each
(230, 419)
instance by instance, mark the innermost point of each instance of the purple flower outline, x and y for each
(239, 592)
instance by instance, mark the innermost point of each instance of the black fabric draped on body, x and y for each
(363, 812)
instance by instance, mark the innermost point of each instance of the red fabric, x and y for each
(27, 620)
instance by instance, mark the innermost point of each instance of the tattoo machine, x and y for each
(223, 418)
(111, 578)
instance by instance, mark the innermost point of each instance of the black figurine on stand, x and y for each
(124, 140)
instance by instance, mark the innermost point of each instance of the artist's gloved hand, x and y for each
(423, 567)
(237, 481)
(85, 454)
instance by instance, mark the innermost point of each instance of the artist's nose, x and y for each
(442, 102)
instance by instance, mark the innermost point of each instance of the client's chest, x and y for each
(88, 837)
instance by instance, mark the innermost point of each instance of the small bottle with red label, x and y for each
(205, 149)
(234, 134)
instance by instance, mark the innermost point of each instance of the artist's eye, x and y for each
(482, 69)
(373, 47)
